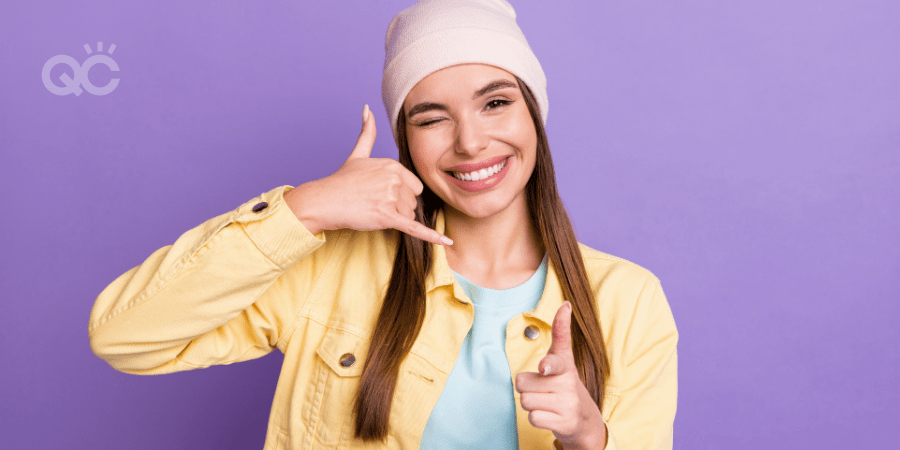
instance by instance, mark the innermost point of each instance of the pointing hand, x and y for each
(556, 397)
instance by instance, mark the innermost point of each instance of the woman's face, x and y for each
(466, 118)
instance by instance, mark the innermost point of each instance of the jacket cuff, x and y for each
(274, 228)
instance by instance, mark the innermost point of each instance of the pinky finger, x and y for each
(417, 230)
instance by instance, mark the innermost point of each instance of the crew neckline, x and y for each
(501, 298)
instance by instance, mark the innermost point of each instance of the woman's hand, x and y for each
(556, 397)
(363, 194)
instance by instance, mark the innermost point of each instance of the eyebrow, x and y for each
(490, 87)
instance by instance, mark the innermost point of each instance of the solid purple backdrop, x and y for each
(745, 152)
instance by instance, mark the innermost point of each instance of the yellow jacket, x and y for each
(254, 279)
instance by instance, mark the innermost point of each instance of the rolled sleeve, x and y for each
(188, 305)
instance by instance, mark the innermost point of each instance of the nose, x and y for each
(471, 135)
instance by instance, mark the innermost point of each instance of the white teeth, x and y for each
(479, 174)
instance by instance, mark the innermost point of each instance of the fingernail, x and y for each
(546, 370)
(365, 112)
(446, 241)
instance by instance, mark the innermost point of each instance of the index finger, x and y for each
(561, 334)
(418, 230)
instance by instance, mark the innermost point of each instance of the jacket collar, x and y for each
(441, 275)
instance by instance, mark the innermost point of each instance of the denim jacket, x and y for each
(255, 279)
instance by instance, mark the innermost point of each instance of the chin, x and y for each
(478, 213)
(480, 208)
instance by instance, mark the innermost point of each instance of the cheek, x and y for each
(424, 150)
(423, 164)
(421, 168)
(519, 126)
(415, 149)
(519, 131)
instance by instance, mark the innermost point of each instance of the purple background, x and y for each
(745, 152)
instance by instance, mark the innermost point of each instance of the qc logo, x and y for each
(74, 85)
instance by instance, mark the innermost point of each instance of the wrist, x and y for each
(593, 439)
(300, 200)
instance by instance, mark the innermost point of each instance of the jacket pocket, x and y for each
(341, 358)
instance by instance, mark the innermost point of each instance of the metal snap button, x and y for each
(260, 206)
(532, 332)
(347, 360)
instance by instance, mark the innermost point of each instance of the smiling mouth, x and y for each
(479, 174)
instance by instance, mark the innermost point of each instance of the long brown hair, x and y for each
(403, 310)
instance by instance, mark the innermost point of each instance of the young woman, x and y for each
(441, 301)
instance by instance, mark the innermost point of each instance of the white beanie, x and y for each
(434, 34)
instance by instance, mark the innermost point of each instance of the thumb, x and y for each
(366, 140)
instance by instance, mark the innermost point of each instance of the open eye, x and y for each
(497, 102)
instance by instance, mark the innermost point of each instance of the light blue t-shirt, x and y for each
(476, 408)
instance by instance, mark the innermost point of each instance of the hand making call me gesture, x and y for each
(556, 397)
(364, 194)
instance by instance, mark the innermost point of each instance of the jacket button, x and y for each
(531, 332)
(260, 206)
(347, 360)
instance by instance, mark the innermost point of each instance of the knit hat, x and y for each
(434, 34)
